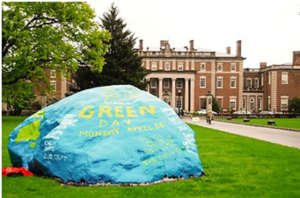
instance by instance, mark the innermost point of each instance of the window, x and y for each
(202, 67)
(259, 103)
(232, 103)
(233, 82)
(269, 78)
(269, 102)
(202, 82)
(219, 82)
(244, 102)
(220, 67)
(167, 66)
(256, 83)
(153, 83)
(233, 67)
(53, 85)
(53, 73)
(179, 84)
(262, 80)
(166, 83)
(153, 66)
(248, 83)
(284, 78)
(180, 66)
(252, 104)
(284, 103)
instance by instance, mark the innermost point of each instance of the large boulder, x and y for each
(116, 134)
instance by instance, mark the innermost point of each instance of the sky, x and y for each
(269, 30)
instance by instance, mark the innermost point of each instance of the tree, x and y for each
(18, 96)
(123, 65)
(215, 105)
(49, 35)
(294, 105)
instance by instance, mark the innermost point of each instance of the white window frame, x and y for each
(52, 73)
(284, 81)
(231, 99)
(167, 66)
(154, 66)
(221, 79)
(221, 66)
(153, 84)
(179, 84)
(284, 101)
(203, 78)
(252, 103)
(233, 78)
(233, 65)
(249, 79)
(203, 65)
(259, 99)
(256, 83)
(180, 66)
(269, 103)
(166, 83)
(53, 85)
(244, 102)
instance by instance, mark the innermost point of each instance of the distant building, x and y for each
(183, 76)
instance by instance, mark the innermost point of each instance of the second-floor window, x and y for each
(220, 67)
(248, 83)
(232, 67)
(154, 66)
(256, 83)
(202, 82)
(53, 73)
(220, 83)
(202, 67)
(232, 82)
(180, 66)
(167, 66)
(53, 85)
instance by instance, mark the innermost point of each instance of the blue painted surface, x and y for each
(116, 134)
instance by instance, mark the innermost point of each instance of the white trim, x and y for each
(55, 85)
(204, 66)
(233, 64)
(154, 66)
(165, 66)
(203, 78)
(219, 64)
(220, 78)
(287, 78)
(180, 65)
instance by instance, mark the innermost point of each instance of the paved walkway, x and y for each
(278, 136)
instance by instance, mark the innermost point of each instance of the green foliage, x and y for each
(123, 65)
(18, 96)
(49, 35)
(294, 105)
(215, 105)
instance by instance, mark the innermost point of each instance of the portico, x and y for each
(176, 89)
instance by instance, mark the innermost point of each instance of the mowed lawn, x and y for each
(290, 123)
(235, 166)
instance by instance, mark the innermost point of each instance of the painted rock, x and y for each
(116, 134)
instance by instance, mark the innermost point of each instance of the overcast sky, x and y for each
(269, 30)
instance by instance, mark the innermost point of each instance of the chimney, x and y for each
(296, 58)
(141, 45)
(228, 50)
(239, 48)
(191, 45)
(262, 65)
(163, 43)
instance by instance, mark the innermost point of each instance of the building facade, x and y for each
(182, 77)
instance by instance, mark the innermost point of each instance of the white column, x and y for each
(186, 64)
(274, 91)
(192, 93)
(147, 64)
(240, 81)
(160, 90)
(186, 97)
(173, 93)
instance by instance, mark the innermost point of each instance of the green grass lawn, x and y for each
(291, 123)
(235, 166)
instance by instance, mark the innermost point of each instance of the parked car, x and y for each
(203, 111)
(242, 112)
(266, 112)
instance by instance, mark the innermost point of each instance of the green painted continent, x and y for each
(29, 132)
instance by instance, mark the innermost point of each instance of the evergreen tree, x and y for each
(123, 65)
(215, 105)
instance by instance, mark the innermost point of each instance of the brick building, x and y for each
(183, 76)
